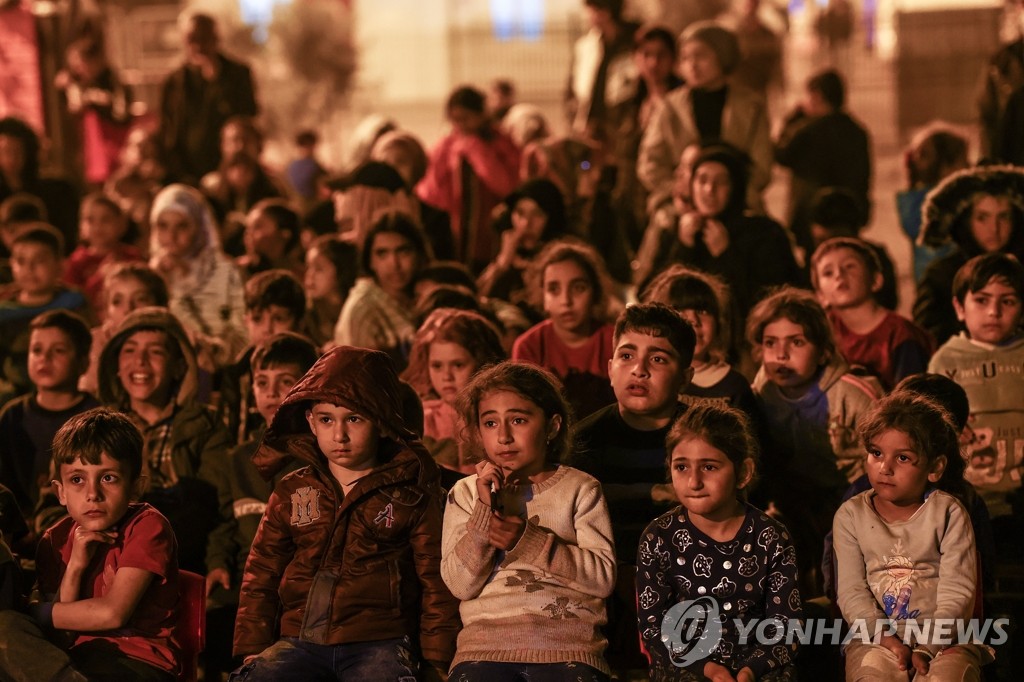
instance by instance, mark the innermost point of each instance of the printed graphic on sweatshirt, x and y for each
(896, 584)
(305, 506)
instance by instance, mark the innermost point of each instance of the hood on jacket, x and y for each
(357, 379)
(827, 376)
(737, 163)
(109, 388)
(946, 213)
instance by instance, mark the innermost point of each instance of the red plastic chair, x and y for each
(190, 630)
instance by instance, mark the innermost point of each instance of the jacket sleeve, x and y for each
(657, 157)
(222, 545)
(760, 151)
(496, 163)
(259, 604)
(437, 187)
(439, 615)
(588, 565)
(467, 558)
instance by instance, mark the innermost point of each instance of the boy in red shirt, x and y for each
(107, 575)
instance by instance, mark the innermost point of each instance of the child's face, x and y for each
(348, 440)
(53, 362)
(394, 262)
(528, 222)
(790, 359)
(991, 314)
(321, 278)
(646, 374)
(100, 226)
(125, 294)
(467, 121)
(699, 65)
(568, 296)
(844, 280)
(898, 473)
(515, 432)
(270, 385)
(147, 369)
(450, 366)
(262, 236)
(36, 268)
(96, 495)
(654, 60)
(705, 479)
(705, 327)
(175, 233)
(711, 188)
(263, 323)
(991, 222)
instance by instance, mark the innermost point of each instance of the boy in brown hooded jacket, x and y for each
(343, 580)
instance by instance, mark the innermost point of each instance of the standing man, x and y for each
(823, 146)
(198, 98)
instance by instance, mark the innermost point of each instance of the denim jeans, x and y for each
(389, 660)
(490, 671)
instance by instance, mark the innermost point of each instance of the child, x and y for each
(346, 561)
(331, 269)
(569, 282)
(986, 361)
(905, 549)
(810, 403)
(703, 301)
(126, 287)
(102, 229)
(278, 362)
(847, 278)
(107, 576)
(685, 555)
(37, 259)
(205, 286)
(271, 239)
(304, 173)
(58, 350)
(527, 542)
(274, 303)
(148, 370)
(450, 347)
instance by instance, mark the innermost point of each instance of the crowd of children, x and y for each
(422, 422)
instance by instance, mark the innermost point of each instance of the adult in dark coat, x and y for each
(981, 210)
(823, 146)
(198, 98)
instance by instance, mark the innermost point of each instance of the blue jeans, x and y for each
(490, 671)
(389, 660)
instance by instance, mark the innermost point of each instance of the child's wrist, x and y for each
(923, 652)
(42, 613)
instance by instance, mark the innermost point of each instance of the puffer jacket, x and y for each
(364, 566)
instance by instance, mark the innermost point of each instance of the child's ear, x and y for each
(139, 487)
(59, 487)
(876, 282)
(554, 426)
(937, 469)
(745, 474)
(958, 307)
(309, 420)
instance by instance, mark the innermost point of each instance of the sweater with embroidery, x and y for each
(922, 568)
(543, 600)
(993, 377)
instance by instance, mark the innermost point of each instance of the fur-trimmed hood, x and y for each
(946, 210)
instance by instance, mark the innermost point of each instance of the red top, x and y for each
(145, 540)
(895, 349)
(86, 270)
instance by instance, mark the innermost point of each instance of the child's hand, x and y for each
(902, 651)
(504, 531)
(716, 672)
(690, 226)
(745, 675)
(218, 576)
(716, 237)
(488, 482)
(84, 545)
(921, 662)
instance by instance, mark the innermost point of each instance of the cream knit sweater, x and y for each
(543, 600)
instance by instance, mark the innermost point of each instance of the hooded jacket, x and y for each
(815, 436)
(946, 215)
(198, 444)
(334, 568)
